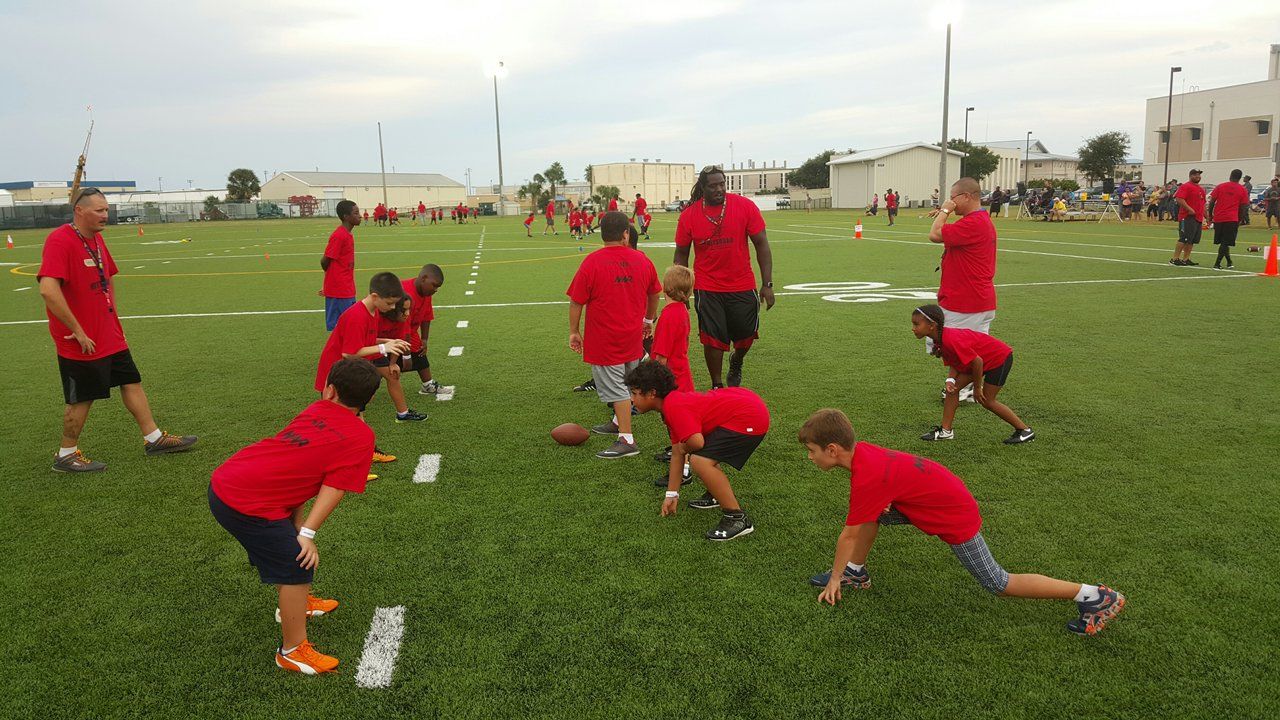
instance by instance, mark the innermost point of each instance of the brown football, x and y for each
(570, 434)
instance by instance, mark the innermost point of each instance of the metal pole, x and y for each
(382, 161)
(497, 122)
(1168, 125)
(1026, 162)
(966, 123)
(946, 98)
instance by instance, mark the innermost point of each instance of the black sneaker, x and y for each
(410, 415)
(1190, 263)
(1020, 436)
(937, 433)
(589, 385)
(662, 481)
(731, 526)
(664, 456)
(606, 428)
(1175, 261)
(734, 378)
(619, 449)
(706, 502)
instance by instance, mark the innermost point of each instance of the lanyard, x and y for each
(97, 264)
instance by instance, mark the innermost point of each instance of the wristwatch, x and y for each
(768, 284)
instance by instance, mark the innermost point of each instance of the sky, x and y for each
(184, 92)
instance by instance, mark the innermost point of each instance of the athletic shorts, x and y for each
(998, 376)
(727, 318)
(610, 380)
(551, 222)
(1273, 211)
(973, 554)
(1224, 233)
(333, 309)
(1189, 231)
(728, 446)
(85, 380)
(893, 212)
(272, 545)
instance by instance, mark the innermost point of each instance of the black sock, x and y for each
(739, 513)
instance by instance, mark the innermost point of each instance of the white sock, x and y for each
(687, 470)
(855, 568)
(63, 452)
(627, 438)
(615, 419)
(153, 436)
(286, 652)
(1088, 593)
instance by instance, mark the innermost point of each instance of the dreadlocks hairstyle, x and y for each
(696, 194)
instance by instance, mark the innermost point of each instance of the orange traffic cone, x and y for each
(8, 243)
(267, 255)
(139, 231)
(857, 231)
(1273, 263)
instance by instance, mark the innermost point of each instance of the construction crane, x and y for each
(75, 182)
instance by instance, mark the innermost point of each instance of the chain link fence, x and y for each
(18, 217)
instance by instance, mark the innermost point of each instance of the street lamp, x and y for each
(945, 14)
(966, 123)
(498, 70)
(1168, 125)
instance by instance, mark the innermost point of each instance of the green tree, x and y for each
(813, 173)
(242, 185)
(586, 174)
(533, 192)
(552, 176)
(211, 203)
(1100, 154)
(979, 161)
(607, 193)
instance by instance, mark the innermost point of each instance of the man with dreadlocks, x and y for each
(719, 224)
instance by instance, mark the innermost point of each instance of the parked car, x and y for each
(784, 201)
(676, 206)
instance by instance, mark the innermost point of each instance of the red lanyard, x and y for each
(97, 264)
(715, 221)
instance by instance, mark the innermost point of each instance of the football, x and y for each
(1254, 248)
(570, 434)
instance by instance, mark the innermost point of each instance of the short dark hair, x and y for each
(356, 381)
(385, 284)
(633, 237)
(651, 375)
(637, 194)
(1236, 174)
(613, 226)
(345, 207)
(432, 271)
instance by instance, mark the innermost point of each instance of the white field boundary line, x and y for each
(428, 468)
(1216, 276)
(381, 648)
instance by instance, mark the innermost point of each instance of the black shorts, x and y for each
(272, 545)
(727, 318)
(730, 447)
(1273, 211)
(416, 361)
(1189, 231)
(998, 376)
(893, 212)
(1224, 233)
(85, 380)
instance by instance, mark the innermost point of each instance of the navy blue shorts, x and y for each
(272, 545)
(333, 309)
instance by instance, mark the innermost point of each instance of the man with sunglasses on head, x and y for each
(93, 356)
(966, 291)
(716, 225)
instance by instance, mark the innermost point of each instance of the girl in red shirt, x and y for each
(974, 357)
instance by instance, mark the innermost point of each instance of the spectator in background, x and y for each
(1169, 206)
(1126, 202)
(1153, 202)
(1248, 198)
(933, 199)
(998, 199)
(1226, 203)
(1272, 199)
(874, 207)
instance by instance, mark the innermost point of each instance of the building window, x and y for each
(1164, 136)
(1038, 164)
(1195, 134)
(1264, 127)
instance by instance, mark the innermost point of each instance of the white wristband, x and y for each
(307, 533)
(672, 494)
(647, 321)
(951, 381)
(382, 348)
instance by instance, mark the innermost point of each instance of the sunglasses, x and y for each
(86, 192)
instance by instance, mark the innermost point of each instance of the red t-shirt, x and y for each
(66, 257)
(575, 219)
(422, 209)
(961, 346)
(732, 408)
(356, 329)
(1194, 195)
(931, 496)
(891, 200)
(671, 341)
(721, 258)
(551, 210)
(420, 311)
(968, 264)
(326, 444)
(393, 330)
(528, 221)
(614, 284)
(613, 204)
(340, 276)
(1227, 199)
(641, 204)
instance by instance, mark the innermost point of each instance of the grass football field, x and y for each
(538, 581)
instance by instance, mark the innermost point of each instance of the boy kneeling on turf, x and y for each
(887, 487)
(708, 428)
(260, 493)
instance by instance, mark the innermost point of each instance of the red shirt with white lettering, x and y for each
(961, 346)
(326, 444)
(357, 328)
(671, 341)
(340, 276)
(732, 408)
(66, 257)
(719, 235)
(420, 310)
(1193, 194)
(968, 264)
(614, 284)
(1227, 199)
(931, 496)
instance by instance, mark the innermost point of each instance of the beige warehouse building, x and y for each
(658, 182)
(404, 190)
(911, 170)
(749, 178)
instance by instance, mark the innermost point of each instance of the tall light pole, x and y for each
(966, 123)
(946, 99)
(1168, 126)
(382, 161)
(498, 70)
(1026, 162)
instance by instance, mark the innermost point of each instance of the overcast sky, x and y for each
(189, 90)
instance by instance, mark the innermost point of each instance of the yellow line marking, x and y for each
(20, 270)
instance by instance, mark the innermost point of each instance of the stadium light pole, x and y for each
(966, 123)
(1168, 126)
(1026, 161)
(382, 161)
(945, 14)
(498, 70)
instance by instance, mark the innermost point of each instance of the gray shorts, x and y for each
(610, 381)
(973, 554)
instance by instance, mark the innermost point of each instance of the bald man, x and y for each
(966, 291)
(75, 282)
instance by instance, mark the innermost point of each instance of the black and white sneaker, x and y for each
(619, 449)
(706, 502)
(731, 526)
(588, 386)
(1190, 263)
(664, 456)
(684, 480)
(937, 433)
(430, 387)
(734, 378)
(607, 428)
(1175, 262)
(1020, 436)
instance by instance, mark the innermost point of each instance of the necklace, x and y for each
(96, 255)
(716, 220)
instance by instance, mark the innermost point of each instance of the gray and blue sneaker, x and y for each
(619, 449)
(607, 428)
(732, 525)
(1095, 615)
(410, 415)
(859, 580)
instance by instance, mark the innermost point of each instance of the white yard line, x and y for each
(464, 323)
(471, 282)
(428, 467)
(469, 292)
(28, 287)
(455, 351)
(381, 648)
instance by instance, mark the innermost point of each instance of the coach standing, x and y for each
(966, 291)
(718, 224)
(93, 356)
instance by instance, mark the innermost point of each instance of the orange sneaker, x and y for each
(306, 660)
(379, 456)
(316, 607)
(371, 478)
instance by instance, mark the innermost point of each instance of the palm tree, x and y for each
(591, 184)
(552, 176)
(532, 190)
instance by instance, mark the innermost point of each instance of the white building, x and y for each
(403, 190)
(658, 183)
(1017, 163)
(748, 178)
(911, 170)
(1217, 130)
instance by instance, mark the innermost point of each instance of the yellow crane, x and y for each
(75, 182)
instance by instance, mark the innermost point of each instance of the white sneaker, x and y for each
(430, 387)
(966, 394)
